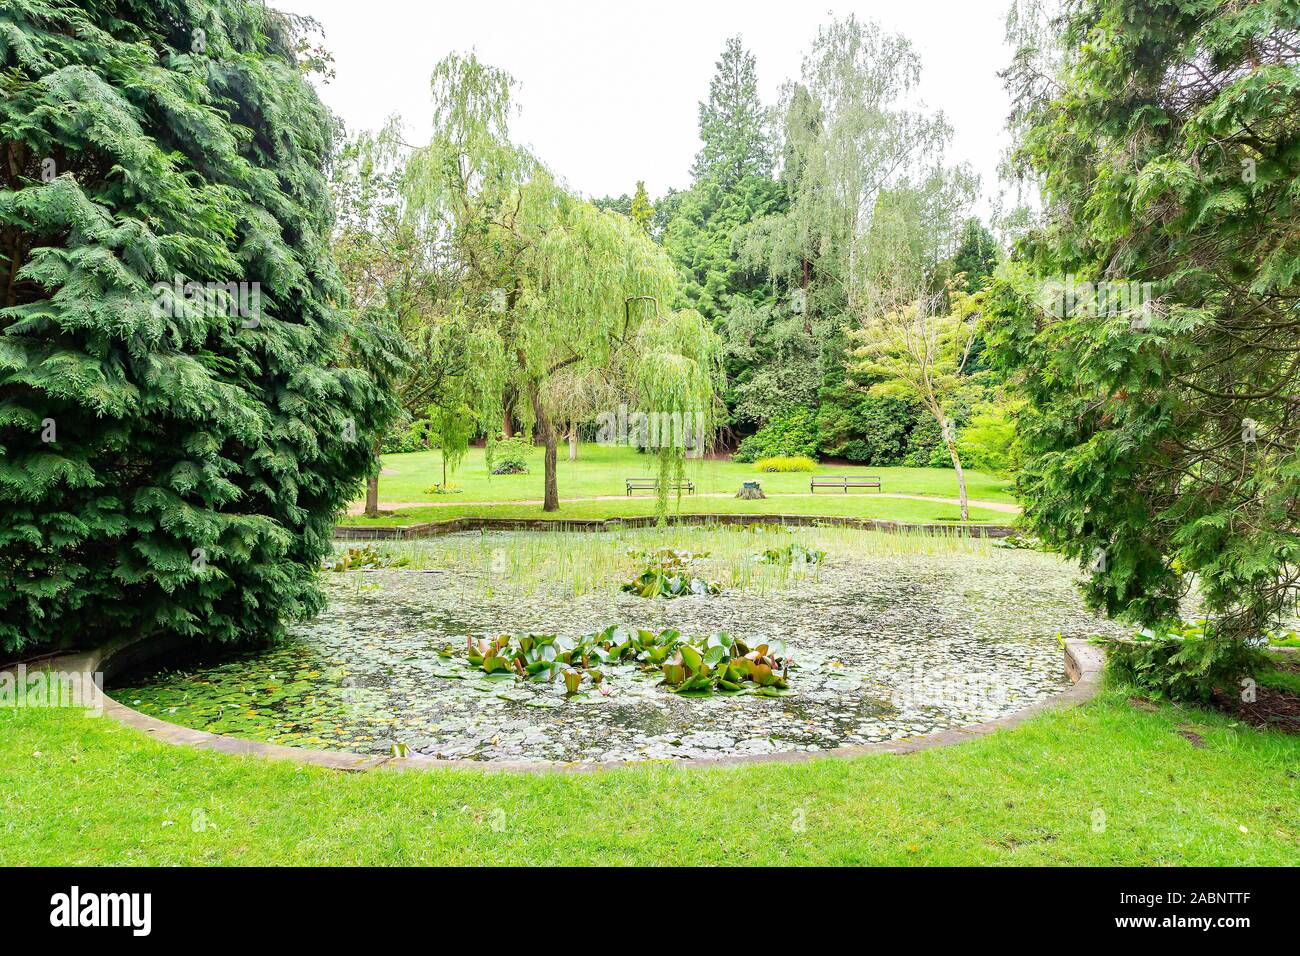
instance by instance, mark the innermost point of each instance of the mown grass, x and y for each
(1109, 783)
(601, 469)
(856, 506)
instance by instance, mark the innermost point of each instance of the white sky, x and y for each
(609, 90)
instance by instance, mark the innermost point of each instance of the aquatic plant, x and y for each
(792, 553)
(725, 664)
(719, 662)
(666, 574)
(503, 565)
(365, 558)
(1018, 541)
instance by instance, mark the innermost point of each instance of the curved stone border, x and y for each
(1083, 665)
(432, 529)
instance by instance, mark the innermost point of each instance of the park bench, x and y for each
(846, 482)
(652, 484)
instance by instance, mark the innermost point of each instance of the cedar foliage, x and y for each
(1162, 439)
(166, 463)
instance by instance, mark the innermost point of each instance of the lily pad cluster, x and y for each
(793, 553)
(364, 558)
(718, 662)
(728, 666)
(667, 574)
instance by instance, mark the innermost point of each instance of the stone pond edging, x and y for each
(1083, 665)
(432, 529)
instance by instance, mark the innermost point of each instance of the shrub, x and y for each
(786, 463)
(509, 456)
(988, 442)
(925, 448)
(791, 433)
(863, 429)
(1187, 662)
(405, 437)
(179, 426)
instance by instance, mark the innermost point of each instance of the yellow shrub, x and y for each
(786, 463)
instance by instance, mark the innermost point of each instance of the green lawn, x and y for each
(80, 791)
(860, 506)
(600, 470)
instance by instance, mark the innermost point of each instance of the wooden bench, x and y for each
(846, 482)
(652, 484)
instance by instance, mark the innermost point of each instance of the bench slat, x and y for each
(845, 482)
(652, 484)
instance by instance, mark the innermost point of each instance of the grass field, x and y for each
(1108, 783)
(858, 506)
(600, 471)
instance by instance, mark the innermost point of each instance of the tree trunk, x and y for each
(551, 439)
(507, 426)
(372, 496)
(573, 442)
(372, 486)
(551, 500)
(961, 479)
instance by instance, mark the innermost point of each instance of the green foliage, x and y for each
(718, 662)
(791, 434)
(509, 456)
(988, 439)
(404, 437)
(737, 144)
(1020, 542)
(864, 429)
(667, 574)
(640, 211)
(703, 236)
(976, 257)
(792, 553)
(781, 463)
(924, 448)
(168, 462)
(364, 558)
(1162, 435)
(1187, 662)
(723, 664)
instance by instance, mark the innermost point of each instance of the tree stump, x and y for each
(750, 491)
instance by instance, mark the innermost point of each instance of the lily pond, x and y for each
(760, 641)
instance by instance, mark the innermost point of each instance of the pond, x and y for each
(890, 639)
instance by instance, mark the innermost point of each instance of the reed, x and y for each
(498, 564)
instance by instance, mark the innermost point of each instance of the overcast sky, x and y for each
(609, 89)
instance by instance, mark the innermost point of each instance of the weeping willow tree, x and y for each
(587, 297)
(404, 278)
(554, 290)
(677, 371)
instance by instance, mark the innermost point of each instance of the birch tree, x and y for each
(914, 338)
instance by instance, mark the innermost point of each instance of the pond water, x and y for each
(886, 646)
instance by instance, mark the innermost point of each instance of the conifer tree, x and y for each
(732, 127)
(177, 432)
(1151, 319)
